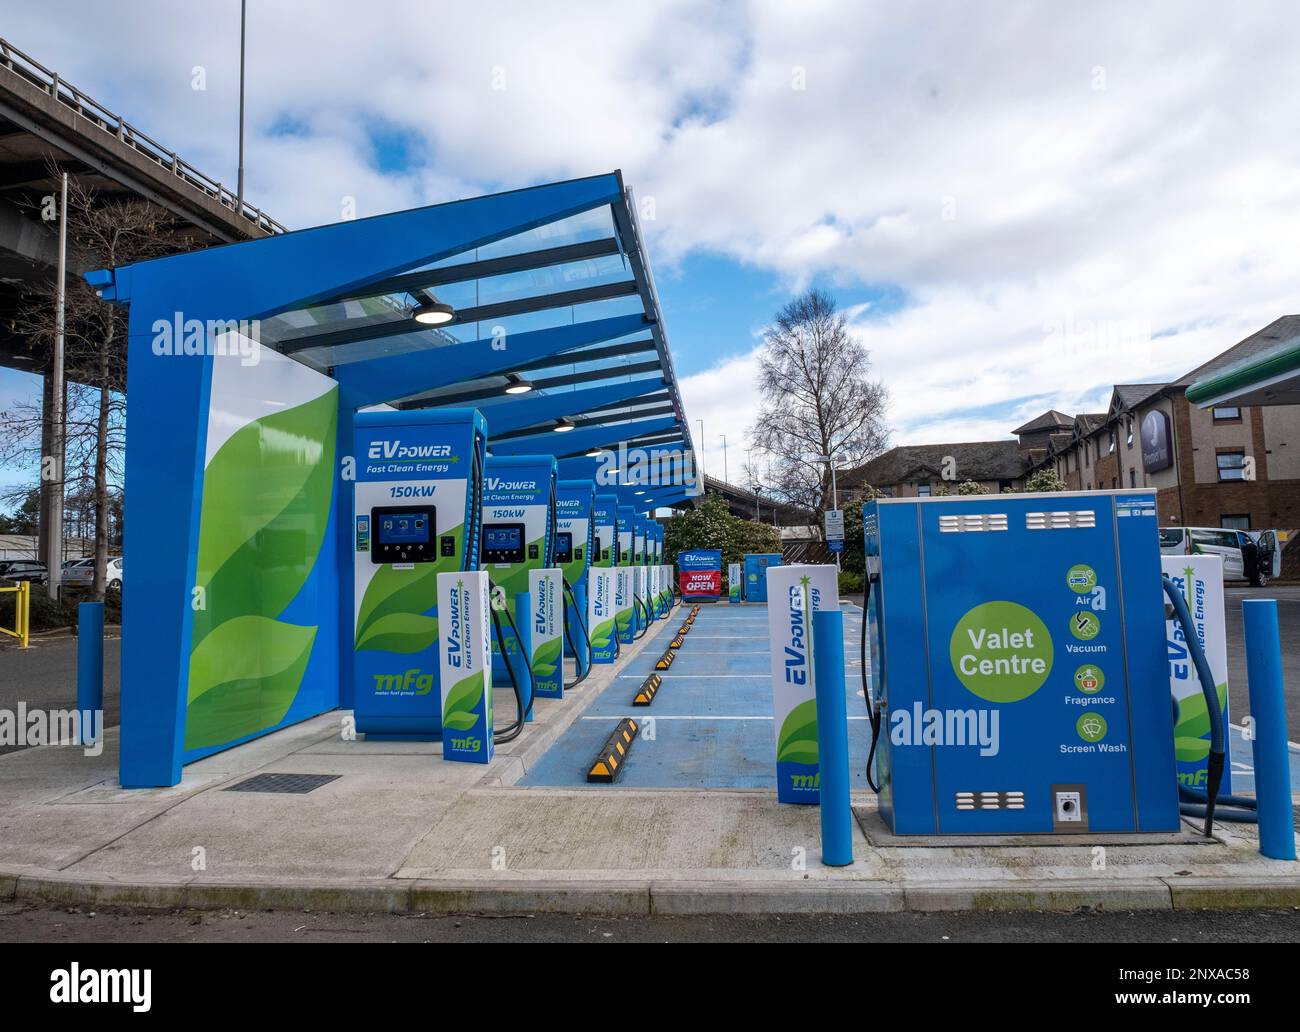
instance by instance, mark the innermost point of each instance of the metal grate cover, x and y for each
(289, 784)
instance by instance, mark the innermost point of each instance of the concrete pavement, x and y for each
(400, 830)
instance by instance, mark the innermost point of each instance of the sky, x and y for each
(1018, 204)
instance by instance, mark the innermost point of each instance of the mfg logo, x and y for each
(413, 682)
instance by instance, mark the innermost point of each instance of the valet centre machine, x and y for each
(518, 538)
(1019, 673)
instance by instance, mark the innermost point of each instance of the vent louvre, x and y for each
(1061, 520)
(989, 800)
(973, 523)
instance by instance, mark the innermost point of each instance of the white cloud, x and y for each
(1021, 172)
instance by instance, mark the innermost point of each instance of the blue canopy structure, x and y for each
(536, 306)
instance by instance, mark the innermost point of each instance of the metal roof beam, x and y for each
(480, 313)
(425, 279)
(395, 376)
(479, 393)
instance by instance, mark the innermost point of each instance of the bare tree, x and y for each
(818, 399)
(102, 233)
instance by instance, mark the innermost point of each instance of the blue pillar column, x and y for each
(90, 671)
(1268, 713)
(832, 738)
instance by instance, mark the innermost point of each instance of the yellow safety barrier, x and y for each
(22, 612)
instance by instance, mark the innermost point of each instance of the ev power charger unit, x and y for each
(602, 577)
(575, 501)
(416, 505)
(641, 571)
(1019, 675)
(518, 540)
(756, 564)
(624, 578)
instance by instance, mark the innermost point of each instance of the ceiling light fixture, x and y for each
(516, 384)
(433, 313)
(563, 426)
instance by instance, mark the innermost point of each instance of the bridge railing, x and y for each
(87, 107)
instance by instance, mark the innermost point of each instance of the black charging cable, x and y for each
(511, 731)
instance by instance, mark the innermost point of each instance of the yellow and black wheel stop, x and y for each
(609, 762)
(676, 643)
(666, 660)
(648, 690)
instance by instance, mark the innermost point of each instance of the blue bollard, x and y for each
(1268, 716)
(90, 670)
(832, 738)
(523, 666)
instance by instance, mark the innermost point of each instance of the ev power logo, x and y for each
(390, 450)
(73, 984)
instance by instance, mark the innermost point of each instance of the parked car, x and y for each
(1270, 555)
(1224, 542)
(15, 570)
(82, 573)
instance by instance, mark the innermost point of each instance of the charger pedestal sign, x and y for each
(547, 616)
(699, 574)
(1200, 578)
(465, 666)
(794, 593)
(733, 583)
(601, 612)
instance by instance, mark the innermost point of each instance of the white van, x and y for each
(1220, 541)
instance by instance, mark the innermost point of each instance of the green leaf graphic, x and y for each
(547, 658)
(797, 742)
(406, 593)
(243, 678)
(266, 506)
(400, 632)
(459, 704)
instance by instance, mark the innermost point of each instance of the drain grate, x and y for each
(291, 784)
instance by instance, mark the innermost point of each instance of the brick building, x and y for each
(1220, 467)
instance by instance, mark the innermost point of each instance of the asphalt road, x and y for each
(1288, 620)
(22, 923)
(44, 676)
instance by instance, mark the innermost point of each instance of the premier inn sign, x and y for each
(1157, 447)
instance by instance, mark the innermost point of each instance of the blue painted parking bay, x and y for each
(712, 716)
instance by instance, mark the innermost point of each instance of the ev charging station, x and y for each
(756, 564)
(602, 580)
(641, 572)
(624, 578)
(517, 535)
(575, 539)
(415, 514)
(1037, 702)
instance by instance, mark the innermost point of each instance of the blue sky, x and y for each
(1019, 205)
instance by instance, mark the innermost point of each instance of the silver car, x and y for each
(81, 573)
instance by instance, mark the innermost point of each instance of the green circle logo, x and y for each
(1089, 679)
(1001, 651)
(1081, 578)
(1085, 625)
(1091, 727)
